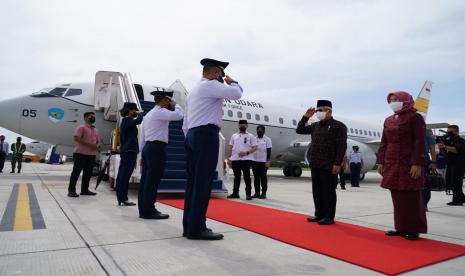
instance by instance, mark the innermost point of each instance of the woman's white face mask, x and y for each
(396, 106)
(321, 115)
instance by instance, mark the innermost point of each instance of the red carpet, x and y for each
(358, 245)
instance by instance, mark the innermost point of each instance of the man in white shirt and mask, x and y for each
(242, 145)
(261, 163)
(154, 140)
(202, 125)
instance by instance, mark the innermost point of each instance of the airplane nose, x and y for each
(10, 114)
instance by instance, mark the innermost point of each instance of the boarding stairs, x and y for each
(175, 175)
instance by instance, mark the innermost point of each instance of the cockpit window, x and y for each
(57, 91)
(73, 92)
(50, 92)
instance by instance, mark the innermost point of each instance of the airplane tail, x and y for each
(423, 99)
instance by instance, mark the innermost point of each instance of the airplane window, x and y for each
(222, 112)
(239, 114)
(351, 130)
(356, 131)
(379, 134)
(361, 132)
(369, 133)
(266, 118)
(230, 113)
(248, 116)
(73, 92)
(365, 132)
(58, 92)
(294, 122)
(257, 117)
(281, 120)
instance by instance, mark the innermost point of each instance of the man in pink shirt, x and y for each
(87, 142)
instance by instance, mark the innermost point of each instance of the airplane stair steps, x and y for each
(175, 176)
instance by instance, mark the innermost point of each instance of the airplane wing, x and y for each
(437, 125)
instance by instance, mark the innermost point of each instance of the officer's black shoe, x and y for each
(12, 172)
(263, 196)
(73, 194)
(233, 196)
(256, 196)
(453, 203)
(184, 234)
(343, 188)
(206, 235)
(88, 193)
(394, 233)
(314, 219)
(248, 197)
(412, 237)
(326, 221)
(126, 203)
(155, 216)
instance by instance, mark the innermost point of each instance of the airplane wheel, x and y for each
(287, 171)
(362, 176)
(296, 171)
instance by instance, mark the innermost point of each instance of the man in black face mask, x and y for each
(87, 142)
(241, 146)
(455, 150)
(261, 163)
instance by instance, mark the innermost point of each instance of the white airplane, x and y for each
(52, 114)
(38, 148)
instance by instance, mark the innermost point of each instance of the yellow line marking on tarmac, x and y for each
(23, 219)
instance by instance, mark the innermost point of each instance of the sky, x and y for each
(289, 52)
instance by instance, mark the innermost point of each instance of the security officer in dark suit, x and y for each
(202, 124)
(128, 150)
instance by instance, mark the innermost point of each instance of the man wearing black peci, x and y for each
(327, 148)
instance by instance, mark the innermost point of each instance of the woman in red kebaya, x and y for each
(401, 158)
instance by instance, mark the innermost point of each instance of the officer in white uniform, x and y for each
(202, 126)
(242, 145)
(261, 163)
(356, 164)
(153, 144)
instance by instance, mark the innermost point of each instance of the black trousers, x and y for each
(84, 163)
(2, 160)
(126, 168)
(16, 158)
(259, 177)
(324, 184)
(154, 161)
(454, 180)
(239, 167)
(355, 169)
(202, 145)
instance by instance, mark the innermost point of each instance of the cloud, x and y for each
(352, 52)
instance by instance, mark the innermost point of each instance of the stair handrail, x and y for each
(221, 152)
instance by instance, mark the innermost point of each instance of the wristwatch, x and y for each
(248, 153)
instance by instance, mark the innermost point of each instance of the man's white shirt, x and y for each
(242, 142)
(156, 122)
(6, 147)
(355, 157)
(263, 144)
(204, 104)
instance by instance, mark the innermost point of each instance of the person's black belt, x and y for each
(156, 142)
(208, 126)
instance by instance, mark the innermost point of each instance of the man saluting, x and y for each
(202, 123)
(326, 153)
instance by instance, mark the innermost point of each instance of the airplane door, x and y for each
(108, 96)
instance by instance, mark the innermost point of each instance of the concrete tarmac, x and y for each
(93, 236)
